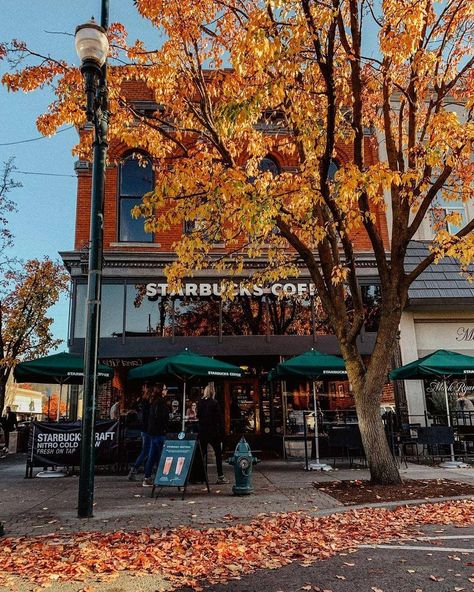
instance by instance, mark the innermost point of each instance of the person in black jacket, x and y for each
(9, 424)
(211, 428)
(157, 429)
(143, 412)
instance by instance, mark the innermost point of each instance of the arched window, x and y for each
(333, 168)
(136, 179)
(269, 164)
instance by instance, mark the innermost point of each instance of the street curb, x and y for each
(392, 505)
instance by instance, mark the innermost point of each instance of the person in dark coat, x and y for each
(9, 424)
(211, 428)
(157, 429)
(143, 412)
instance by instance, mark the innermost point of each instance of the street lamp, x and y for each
(92, 48)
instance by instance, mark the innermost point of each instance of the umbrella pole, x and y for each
(58, 413)
(316, 429)
(317, 465)
(448, 415)
(184, 406)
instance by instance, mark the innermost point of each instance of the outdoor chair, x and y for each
(345, 440)
(463, 418)
(408, 442)
(465, 436)
(433, 437)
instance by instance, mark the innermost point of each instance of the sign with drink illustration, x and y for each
(176, 462)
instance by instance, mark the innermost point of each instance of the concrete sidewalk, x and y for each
(42, 506)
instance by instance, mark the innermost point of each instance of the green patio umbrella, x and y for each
(185, 365)
(62, 368)
(312, 365)
(441, 364)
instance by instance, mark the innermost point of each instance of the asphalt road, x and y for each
(441, 559)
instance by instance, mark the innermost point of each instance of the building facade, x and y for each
(439, 315)
(141, 320)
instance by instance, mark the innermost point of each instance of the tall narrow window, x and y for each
(136, 179)
(333, 168)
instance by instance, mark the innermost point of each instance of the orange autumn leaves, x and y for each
(190, 557)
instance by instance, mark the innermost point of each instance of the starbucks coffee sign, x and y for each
(214, 289)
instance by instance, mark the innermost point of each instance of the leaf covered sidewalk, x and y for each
(192, 557)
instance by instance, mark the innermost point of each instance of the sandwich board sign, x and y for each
(176, 462)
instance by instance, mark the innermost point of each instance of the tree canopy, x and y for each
(25, 328)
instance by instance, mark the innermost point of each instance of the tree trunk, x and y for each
(367, 384)
(382, 465)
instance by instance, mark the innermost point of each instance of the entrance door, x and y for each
(242, 413)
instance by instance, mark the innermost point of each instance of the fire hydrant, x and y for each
(243, 461)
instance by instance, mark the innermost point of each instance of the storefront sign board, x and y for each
(181, 461)
(58, 444)
(175, 463)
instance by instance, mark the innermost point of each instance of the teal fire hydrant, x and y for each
(243, 461)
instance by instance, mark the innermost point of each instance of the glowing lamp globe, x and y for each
(91, 43)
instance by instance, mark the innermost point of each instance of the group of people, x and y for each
(154, 418)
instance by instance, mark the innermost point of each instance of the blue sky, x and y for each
(44, 223)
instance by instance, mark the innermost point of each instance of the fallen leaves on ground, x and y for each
(358, 491)
(189, 557)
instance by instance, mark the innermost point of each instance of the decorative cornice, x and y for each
(153, 260)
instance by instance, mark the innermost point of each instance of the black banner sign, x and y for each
(58, 444)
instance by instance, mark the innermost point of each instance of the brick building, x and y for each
(141, 321)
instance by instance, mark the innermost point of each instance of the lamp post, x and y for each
(92, 48)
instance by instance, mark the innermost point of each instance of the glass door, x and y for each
(242, 409)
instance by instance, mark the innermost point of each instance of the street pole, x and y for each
(99, 118)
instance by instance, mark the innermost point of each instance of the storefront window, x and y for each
(289, 316)
(145, 316)
(460, 397)
(111, 311)
(321, 322)
(371, 298)
(196, 316)
(298, 400)
(80, 311)
(245, 315)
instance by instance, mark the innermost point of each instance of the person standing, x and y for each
(115, 409)
(463, 403)
(9, 424)
(157, 429)
(143, 411)
(211, 428)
